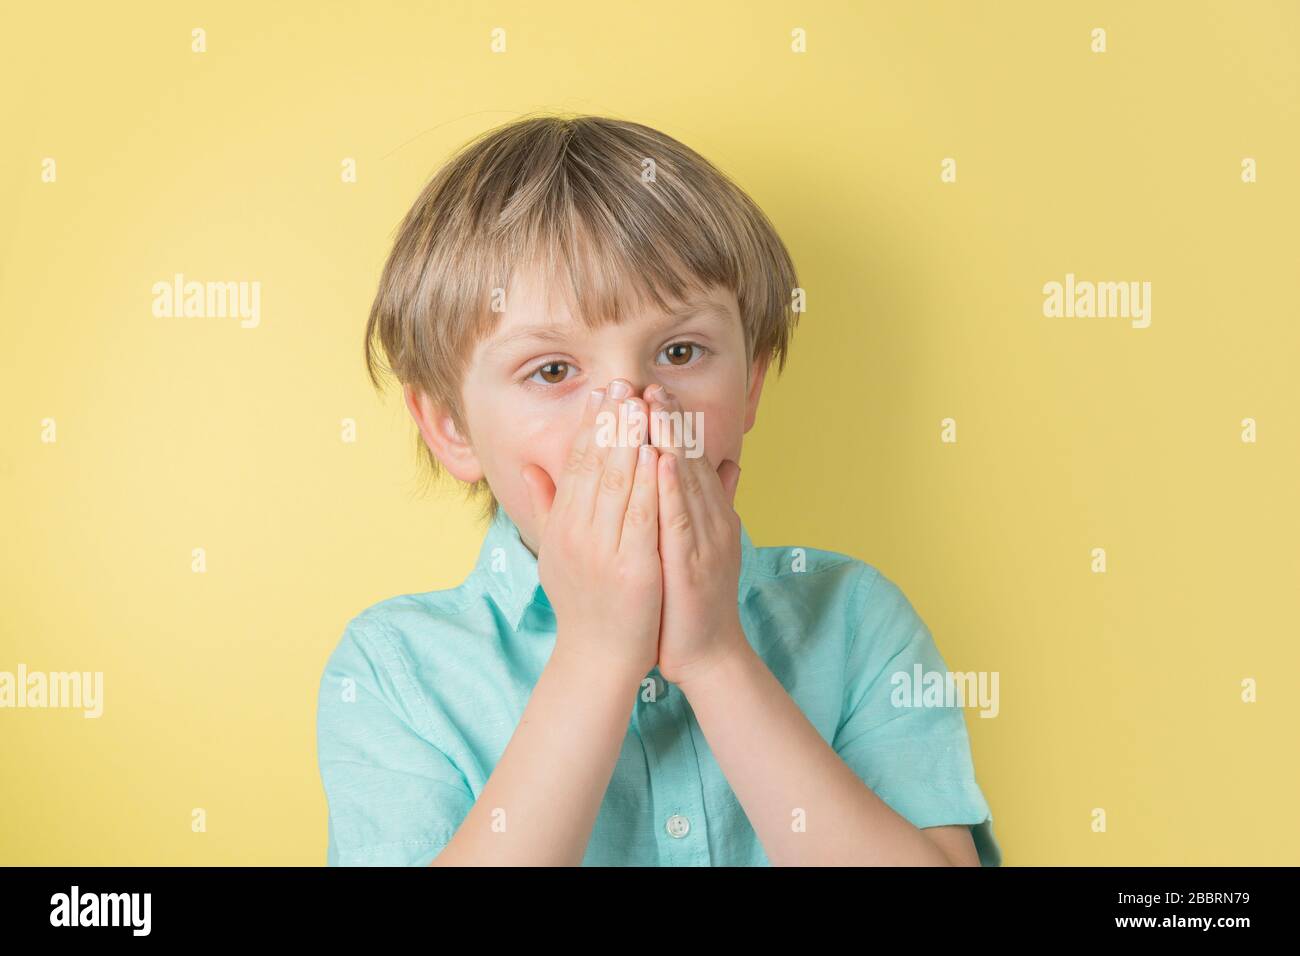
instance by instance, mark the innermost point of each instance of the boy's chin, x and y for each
(526, 536)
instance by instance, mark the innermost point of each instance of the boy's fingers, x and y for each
(615, 485)
(699, 479)
(581, 443)
(676, 524)
(585, 470)
(641, 521)
(696, 495)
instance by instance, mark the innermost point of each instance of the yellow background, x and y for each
(1118, 691)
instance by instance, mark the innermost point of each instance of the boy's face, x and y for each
(525, 387)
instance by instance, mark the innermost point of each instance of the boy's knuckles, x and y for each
(614, 479)
(680, 522)
(573, 462)
(637, 515)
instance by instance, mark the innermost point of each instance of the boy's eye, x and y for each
(552, 373)
(681, 353)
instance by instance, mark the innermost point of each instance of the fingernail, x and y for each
(597, 396)
(619, 389)
(646, 453)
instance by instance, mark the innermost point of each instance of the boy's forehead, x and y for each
(532, 310)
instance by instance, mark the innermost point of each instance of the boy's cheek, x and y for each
(544, 447)
(541, 449)
(721, 435)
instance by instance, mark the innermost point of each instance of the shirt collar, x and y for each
(509, 569)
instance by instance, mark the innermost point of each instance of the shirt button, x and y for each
(678, 826)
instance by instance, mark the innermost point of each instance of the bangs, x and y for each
(613, 219)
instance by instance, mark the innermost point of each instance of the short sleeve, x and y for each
(913, 754)
(395, 798)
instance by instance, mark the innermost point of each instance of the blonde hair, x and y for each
(630, 213)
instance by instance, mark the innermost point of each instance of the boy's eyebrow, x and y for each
(542, 333)
(703, 308)
(706, 308)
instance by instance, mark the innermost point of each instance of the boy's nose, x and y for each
(623, 387)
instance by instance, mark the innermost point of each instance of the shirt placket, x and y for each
(677, 788)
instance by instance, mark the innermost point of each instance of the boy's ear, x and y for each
(756, 376)
(440, 434)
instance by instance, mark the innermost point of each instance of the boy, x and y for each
(624, 678)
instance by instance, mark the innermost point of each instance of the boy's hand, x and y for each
(699, 544)
(598, 554)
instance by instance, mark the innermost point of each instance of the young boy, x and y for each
(624, 678)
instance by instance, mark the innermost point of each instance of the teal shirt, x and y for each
(423, 692)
